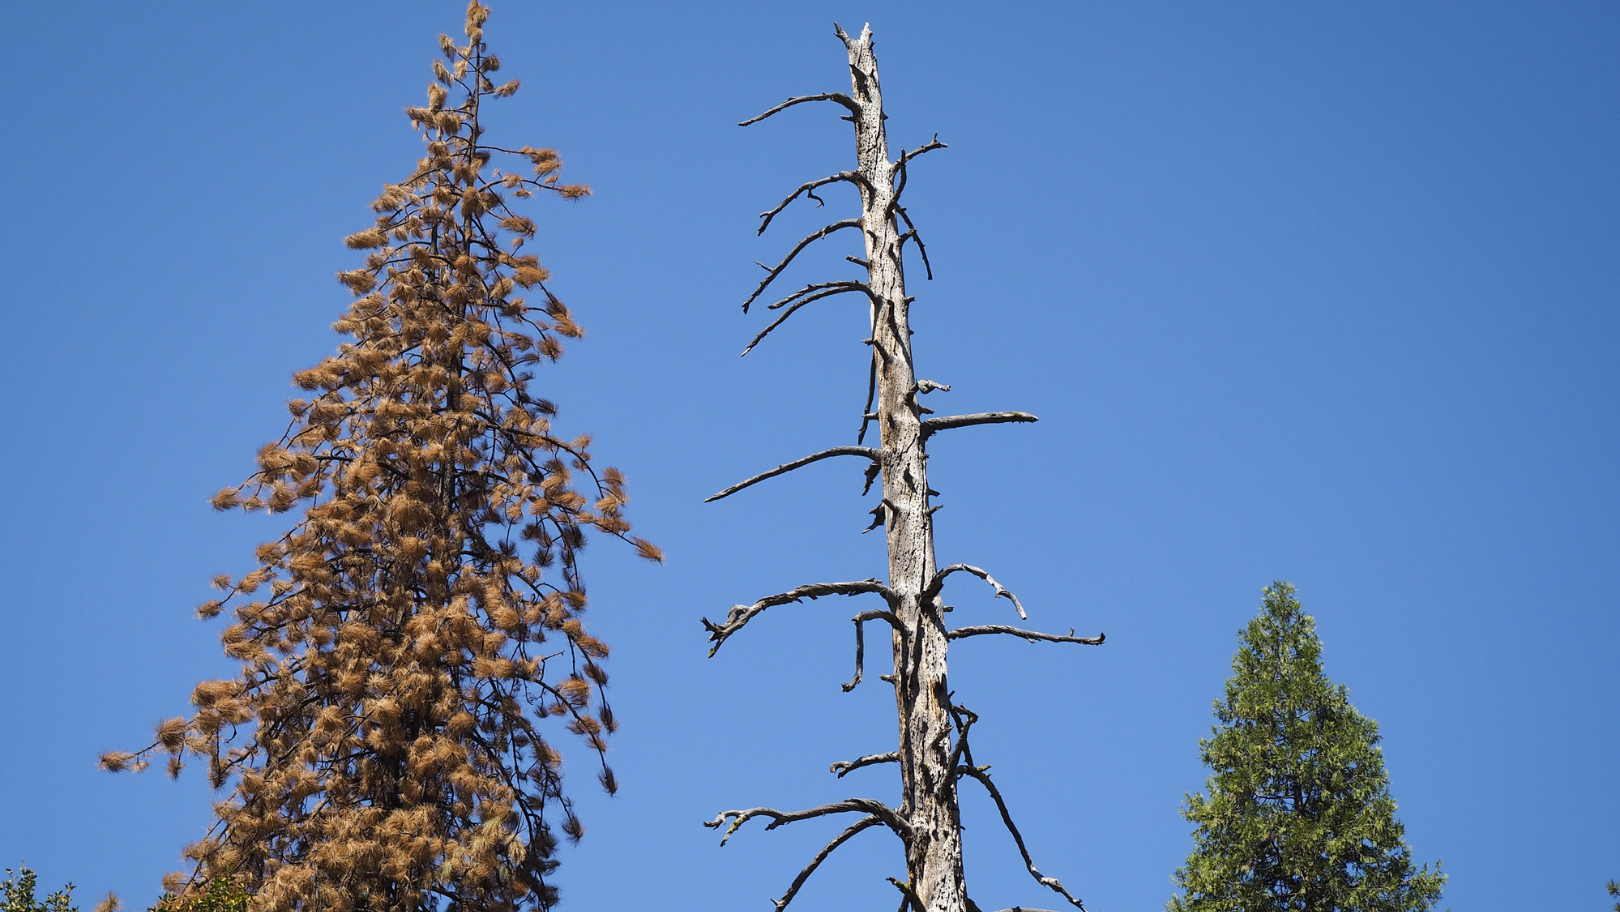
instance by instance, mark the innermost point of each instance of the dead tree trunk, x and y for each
(933, 753)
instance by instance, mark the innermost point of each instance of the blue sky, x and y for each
(1319, 292)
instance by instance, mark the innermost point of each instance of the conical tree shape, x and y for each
(403, 642)
(1298, 815)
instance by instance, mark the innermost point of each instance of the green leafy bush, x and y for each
(18, 890)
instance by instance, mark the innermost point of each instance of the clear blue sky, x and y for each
(1320, 292)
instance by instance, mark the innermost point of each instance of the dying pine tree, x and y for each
(933, 754)
(404, 642)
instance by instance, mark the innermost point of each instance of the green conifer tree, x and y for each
(1298, 815)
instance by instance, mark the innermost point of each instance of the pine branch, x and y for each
(773, 271)
(930, 426)
(808, 188)
(838, 97)
(846, 766)
(740, 615)
(803, 296)
(938, 583)
(860, 641)
(1050, 883)
(869, 452)
(828, 849)
(888, 816)
(1031, 635)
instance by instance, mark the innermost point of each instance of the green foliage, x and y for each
(1614, 890)
(221, 895)
(1298, 815)
(18, 892)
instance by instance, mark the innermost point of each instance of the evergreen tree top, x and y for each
(1298, 814)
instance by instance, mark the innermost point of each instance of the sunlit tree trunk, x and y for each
(932, 753)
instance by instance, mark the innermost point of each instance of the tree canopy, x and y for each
(1298, 814)
(384, 740)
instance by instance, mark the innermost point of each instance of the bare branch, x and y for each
(852, 177)
(821, 856)
(938, 583)
(866, 413)
(813, 287)
(845, 766)
(773, 272)
(740, 615)
(848, 102)
(860, 641)
(929, 146)
(978, 772)
(1031, 635)
(922, 248)
(910, 894)
(869, 452)
(887, 815)
(823, 290)
(956, 421)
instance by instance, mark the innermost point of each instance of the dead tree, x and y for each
(933, 753)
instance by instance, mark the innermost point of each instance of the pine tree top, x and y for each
(1298, 814)
(405, 646)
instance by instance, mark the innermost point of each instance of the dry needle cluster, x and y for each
(403, 643)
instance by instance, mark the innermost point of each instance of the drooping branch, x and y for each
(808, 188)
(938, 583)
(845, 766)
(860, 640)
(956, 421)
(839, 97)
(867, 415)
(828, 849)
(1051, 883)
(869, 452)
(811, 238)
(1031, 635)
(928, 268)
(806, 295)
(740, 615)
(887, 815)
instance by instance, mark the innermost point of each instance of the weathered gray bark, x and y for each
(933, 754)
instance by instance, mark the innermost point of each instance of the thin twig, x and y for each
(909, 894)
(869, 452)
(1006, 818)
(1031, 635)
(845, 766)
(860, 640)
(929, 146)
(852, 177)
(827, 290)
(821, 856)
(872, 806)
(740, 615)
(811, 238)
(839, 97)
(955, 421)
(938, 583)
